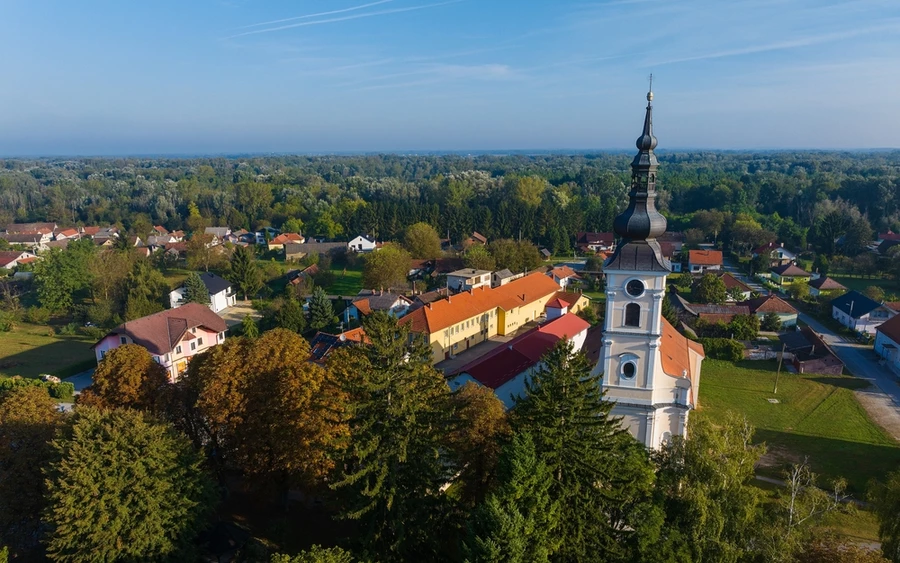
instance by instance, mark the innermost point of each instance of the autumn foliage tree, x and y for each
(127, 377)
(28, 420)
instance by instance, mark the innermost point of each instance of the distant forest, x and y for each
(801, 198)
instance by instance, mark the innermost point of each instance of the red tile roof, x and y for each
(675, 352)
(562, 272)
(503, 363)
(891, 328)
(769, 304)
(825, 283)
(557, 303)
(160, 332)
(790, 269)
(442, 314)
(287, 237)
(705, 257)
(731, 281)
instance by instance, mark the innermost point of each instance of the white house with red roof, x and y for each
(10, 259)
(505, 369)
(563, 276)
(173, 337)
(887, 342)
(700, 261)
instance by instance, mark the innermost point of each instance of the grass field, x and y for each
(860, 284)
(347, 282)
(31, 350)
(817, 417)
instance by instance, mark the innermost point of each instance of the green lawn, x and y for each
(30, 350)
(817, 417)
(347, 282)
(860, 284)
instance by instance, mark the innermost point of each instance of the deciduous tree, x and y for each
(710, 289)
(143, 291)
(422, 241)
(386, 268)
(478, 257)
(127, 377)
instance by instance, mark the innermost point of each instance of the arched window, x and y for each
(632, 314)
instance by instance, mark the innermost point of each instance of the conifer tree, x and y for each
(517, 522)
(290, 316)
(249, 328)
(395, 465)
(244, 272)
(321, 313)
(195, 290)
(138, 477)
(601, 476)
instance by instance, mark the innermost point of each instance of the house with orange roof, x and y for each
(278, 242)
(563, 275)
(700, 261)
(466, 319)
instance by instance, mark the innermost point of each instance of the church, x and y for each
(650, 371)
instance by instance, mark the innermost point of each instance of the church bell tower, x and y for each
(652, 402)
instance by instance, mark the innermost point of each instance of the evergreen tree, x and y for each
(316, 554)
(244, 272)
(771, 322)
(136, 476)
(395, 465)
(290, 316)
(517, 522)
(668, 310)
(195, 290)
(249, 328)
(321, 313)
(602, 477)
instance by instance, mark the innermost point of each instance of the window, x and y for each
(123, 340)
(193, 345)
(178, 349)
(221, 336)
(632, 314)
(200, 341)
(628, 370)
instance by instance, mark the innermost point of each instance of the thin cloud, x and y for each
(779, 45)
(320, 14)
(345, 18)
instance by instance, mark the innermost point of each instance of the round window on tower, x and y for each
(635, 288)
(628, 370)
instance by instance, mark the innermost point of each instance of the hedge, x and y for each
(63, 391)
(723, 349)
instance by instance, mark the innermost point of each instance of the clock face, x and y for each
(634, 288)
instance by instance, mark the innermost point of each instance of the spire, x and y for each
(641, 223)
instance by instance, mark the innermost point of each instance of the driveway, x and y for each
(235, 314)
(81, 380)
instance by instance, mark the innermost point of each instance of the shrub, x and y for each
(94, 332)
(771, 322)
(37, 315)
(723, 349)
(63, 391)
(7, 322)
(69, 330)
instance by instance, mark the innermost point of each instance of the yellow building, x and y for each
(463, 320)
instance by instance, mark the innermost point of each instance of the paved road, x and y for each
(882, 400)
(81, 380)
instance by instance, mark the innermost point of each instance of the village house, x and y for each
(220, 234)
(362, 243)
(823, 285)
(860, 313)
(670, 253)
(221, 294)
(296, 251)
(762, 306)
(505, 369)
(563, 276)
(595, 242)
(887, 342)
(700, 261)
(368, 301)
(810, 353)
(461, 321)
(279, 241)
(675, 240)
(173, 337)
(788, 274)
(731, 283)
(468, 278)
(323, 344)
(476, 238)
(63, 234)
(30, 228)
(32, 241)
(777, 254)
(10, 259)
(503, 277)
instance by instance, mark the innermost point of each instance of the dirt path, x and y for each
(881, 410)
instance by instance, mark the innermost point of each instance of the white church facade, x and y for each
(650, 371)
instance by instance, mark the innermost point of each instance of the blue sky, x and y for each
(211, 76)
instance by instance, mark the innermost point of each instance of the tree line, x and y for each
(406, 470)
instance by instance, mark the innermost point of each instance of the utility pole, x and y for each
(778, 373)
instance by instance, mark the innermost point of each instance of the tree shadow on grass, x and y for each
(59, 357)
(831, 458)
